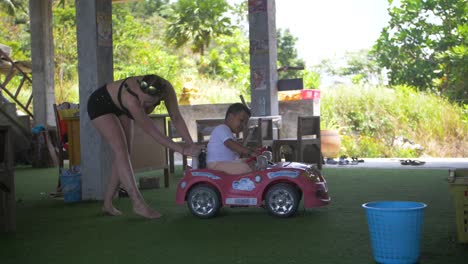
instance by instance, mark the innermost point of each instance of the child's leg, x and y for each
(231, 167)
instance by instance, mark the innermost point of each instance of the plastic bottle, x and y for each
(451, 177)
(202, 160)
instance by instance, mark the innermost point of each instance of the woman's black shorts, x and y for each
(100, 103)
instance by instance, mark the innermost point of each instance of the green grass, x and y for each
(51, 231)
(370, 119)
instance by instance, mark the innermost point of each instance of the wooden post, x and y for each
(7, 182)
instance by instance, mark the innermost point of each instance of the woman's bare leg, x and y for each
(127, 125)
(114, 182)
(111, 129)
(112, 185)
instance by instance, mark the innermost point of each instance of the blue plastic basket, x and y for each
(395, 229)
(71, 187)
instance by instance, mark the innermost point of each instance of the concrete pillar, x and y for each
(95, 68)
(263, 55)
(42, 55)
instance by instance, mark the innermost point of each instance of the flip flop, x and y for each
(343, 160)
(55, 194)
(405, 162)
(357, 159)
(417, 162)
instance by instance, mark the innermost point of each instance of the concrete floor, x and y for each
(392, 163)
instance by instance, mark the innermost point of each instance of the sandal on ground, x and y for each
(357, 159)
(405, 162)
(412, 162)
(343, 160)
(417, 162)
(331, 161)
(55, 194)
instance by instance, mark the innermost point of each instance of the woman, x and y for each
(113, 108)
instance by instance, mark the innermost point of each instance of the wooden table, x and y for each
(147, 154)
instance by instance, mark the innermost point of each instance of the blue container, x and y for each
(71, 187)
(395, 229)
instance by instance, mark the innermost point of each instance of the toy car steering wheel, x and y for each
(262, 150)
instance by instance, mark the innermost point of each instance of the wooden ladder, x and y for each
(15, 75)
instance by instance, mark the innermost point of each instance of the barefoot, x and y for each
(146, 212)
(111, 210)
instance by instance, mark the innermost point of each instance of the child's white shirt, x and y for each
(216, 150)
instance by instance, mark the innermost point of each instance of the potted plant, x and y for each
(330, 141)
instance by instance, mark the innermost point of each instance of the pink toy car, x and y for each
(278, 188)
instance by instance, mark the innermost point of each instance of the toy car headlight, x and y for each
(313, 174)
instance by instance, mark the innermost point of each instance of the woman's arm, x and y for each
(145, 122)
(176, 117)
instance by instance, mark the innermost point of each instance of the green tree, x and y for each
(361, 66)
(15, 8)
(8, 7)
(287, 54)
(197, 22)
(146, 8)
(138, 47)
(228, 59)
(424, 45)
(14, 27)
(311, 79)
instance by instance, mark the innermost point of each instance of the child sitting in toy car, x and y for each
(223, 150)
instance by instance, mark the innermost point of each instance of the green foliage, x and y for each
(66, 57)
(13, 30)
(146, 8)
(16, 9)
(213, 91)
(311, 79)
(455, 72)
(138, 50)
(360, 66)
(229, 59)
(197, 22)
(287, 54)
(424, 46)
(8, 7)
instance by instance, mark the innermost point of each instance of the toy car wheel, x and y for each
(203, 201)
(282, 200)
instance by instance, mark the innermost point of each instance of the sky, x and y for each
(328, 28)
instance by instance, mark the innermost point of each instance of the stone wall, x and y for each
(289, 110)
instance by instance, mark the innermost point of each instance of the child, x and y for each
(223, 150)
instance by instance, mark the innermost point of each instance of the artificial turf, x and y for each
(51, 231)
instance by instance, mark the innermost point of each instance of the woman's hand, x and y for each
(192, 150)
